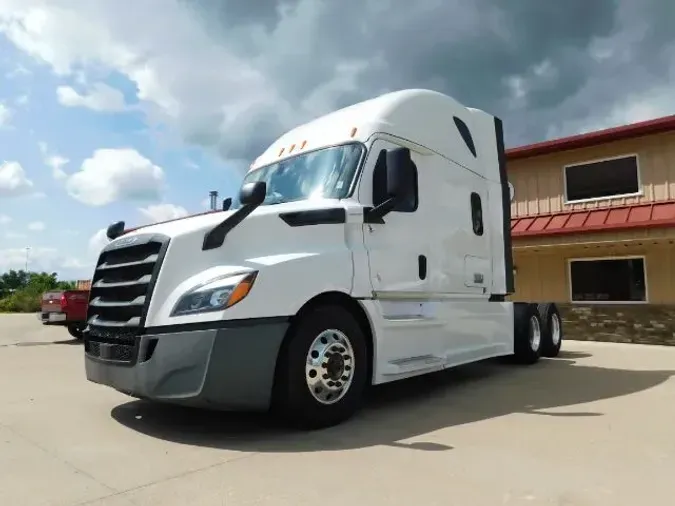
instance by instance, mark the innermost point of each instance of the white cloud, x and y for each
(45, 259)
(56, 162)
(53, 160)
(5, 115)
(15, 258)
(4, 219)
(10, 234)
(13, 180)
(181, 72)
(36, 226)
(233, 86)
(163, 212)
(18, 71)
(76, 263)
(100, 97)
(22, 100)
(97, 242)
(116, 174)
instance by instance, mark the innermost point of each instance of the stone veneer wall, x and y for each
(630, 323)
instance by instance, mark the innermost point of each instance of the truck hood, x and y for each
(202, 223)
(263, 242)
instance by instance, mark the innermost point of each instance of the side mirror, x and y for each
(400, 172)
(401, 180)
(253, 194)
(227, 203)
(115, 230)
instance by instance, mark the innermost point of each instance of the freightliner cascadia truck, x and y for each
(369, 245)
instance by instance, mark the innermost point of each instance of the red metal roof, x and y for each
(654, 126)
(659, 214)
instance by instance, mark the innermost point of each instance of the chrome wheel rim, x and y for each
(329, 368)
(535, 333)
(555, 330)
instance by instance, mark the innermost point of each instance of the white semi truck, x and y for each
(367, 246)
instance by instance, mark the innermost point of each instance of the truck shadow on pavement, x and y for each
(26, 344)
(406, 409)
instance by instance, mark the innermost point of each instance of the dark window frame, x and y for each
(588, 163)
(598, 260)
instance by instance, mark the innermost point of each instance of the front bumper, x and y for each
(229, 368)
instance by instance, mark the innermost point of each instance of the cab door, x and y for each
(398, 252)
(396, 248)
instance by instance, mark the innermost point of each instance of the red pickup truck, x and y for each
(67, 308)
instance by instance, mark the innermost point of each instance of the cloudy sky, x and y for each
(134, 110)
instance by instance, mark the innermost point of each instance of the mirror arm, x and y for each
(215, 237)
(377, 213)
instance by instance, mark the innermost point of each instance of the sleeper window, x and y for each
(476, 214)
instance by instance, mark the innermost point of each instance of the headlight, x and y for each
(215, 295)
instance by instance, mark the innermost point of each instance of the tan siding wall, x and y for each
(83, 284)
(538, 181)
(613, 237)
(542, 275)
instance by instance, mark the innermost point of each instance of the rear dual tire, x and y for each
(527, 333)
(537, 332)
(552, 329)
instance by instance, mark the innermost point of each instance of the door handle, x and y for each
(422, 266)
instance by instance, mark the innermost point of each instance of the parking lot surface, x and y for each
(594, 427)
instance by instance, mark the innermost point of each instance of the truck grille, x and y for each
(114, 352)
(120, 294)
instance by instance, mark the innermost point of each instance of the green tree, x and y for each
(13, 280)
(21, 291)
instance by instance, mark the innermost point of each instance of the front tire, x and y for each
(323, 370)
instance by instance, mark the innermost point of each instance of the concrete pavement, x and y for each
(594, 427)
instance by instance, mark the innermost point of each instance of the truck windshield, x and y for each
(321, 174)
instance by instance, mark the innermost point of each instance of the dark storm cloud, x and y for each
(228, 13)
(470, 50)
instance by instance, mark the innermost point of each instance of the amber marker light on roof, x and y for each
(353, 132)
(281, 151)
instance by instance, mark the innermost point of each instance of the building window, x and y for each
(608, 280)
(602, 179)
